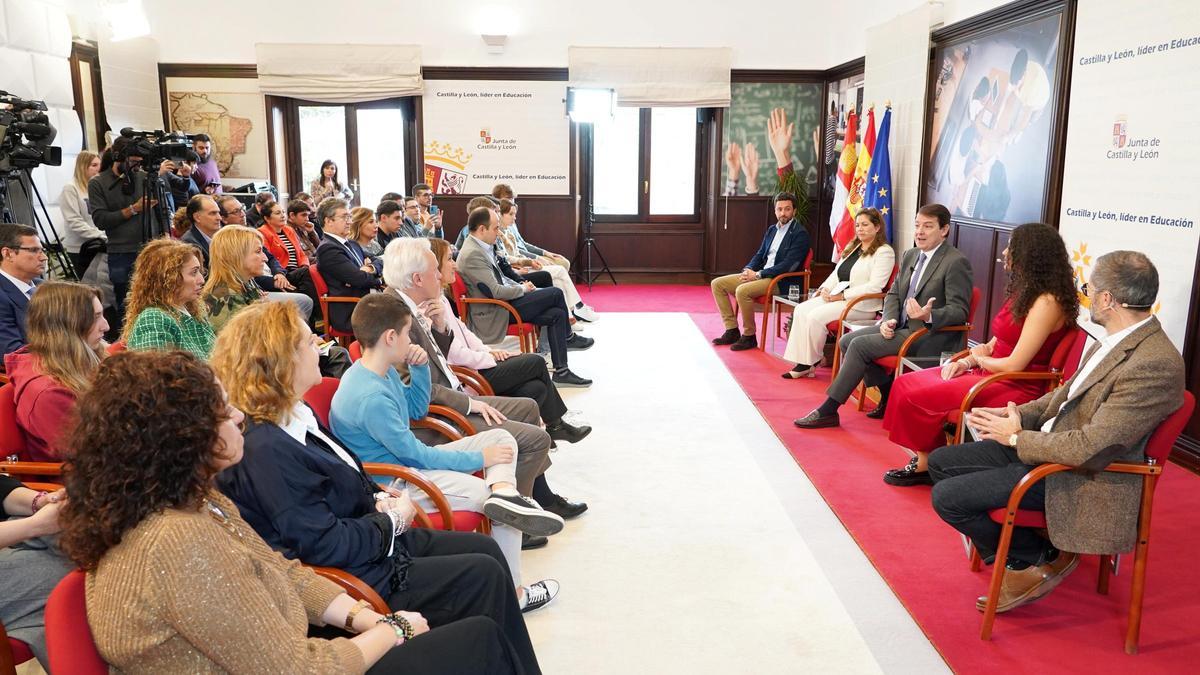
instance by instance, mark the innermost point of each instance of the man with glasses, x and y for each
(22, 263)
(1127, 383)
(344, 265)
(431, 223)
(411, 227)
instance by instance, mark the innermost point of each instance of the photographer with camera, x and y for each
(121, 206)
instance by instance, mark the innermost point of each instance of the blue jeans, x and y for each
(120, 269)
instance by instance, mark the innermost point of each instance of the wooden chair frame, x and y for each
(527, 338)
(843, 324)
(353, 586)
(769, 305)
(473, 379)
(964, 328)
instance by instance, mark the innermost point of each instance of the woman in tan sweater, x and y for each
(178, 582)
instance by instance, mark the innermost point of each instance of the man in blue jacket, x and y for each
(784, 249)
(22, 263)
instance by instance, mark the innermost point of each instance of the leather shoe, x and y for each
(907, 475)
(729, 337)
(566, 378)
(566, 432)
(814, 420)
(745, 342)
(1031, 583)
(877, 413)
(578, 343)
(529, 541)
(565, 509)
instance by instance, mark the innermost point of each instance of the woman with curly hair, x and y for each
(66, 327)
(1039, 310)
(163, 310)
(309, 497)
(208, 594)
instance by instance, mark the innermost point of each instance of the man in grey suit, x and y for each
(1126, 385)
(481, 272)
(932, 290)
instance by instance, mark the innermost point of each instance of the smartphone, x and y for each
(324, 347)
(433, 210)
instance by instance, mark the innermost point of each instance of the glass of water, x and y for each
(794, 293)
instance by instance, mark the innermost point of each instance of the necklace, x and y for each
(222, 519)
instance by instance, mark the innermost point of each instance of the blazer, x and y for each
(868, 275)
(344, 278)
(948, 279)
(790, 256)
(309, 505)
(273, 242)
(193, 236)
(1128, 394)
(13, 305)
(484, 279)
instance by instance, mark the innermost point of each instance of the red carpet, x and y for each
(1073, 629)
(648, 298)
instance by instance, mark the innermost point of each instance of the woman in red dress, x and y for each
(1039, 309)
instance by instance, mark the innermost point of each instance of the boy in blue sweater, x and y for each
(371, 412)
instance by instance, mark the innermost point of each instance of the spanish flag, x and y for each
(845, 176)
(854, 201)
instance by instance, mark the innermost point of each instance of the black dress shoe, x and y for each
(566, 378)
(529, 541)
(745, 342)
(815, 420)
(566, 432)
(578, 343)
(565, 509)
(878, 412)
(907, 476)
(728, 337)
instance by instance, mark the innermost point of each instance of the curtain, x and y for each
(339, 73)
(655, 76)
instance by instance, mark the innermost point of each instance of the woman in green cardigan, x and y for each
(163, 310)
(236, 257)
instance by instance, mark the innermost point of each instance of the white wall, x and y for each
(35, 43)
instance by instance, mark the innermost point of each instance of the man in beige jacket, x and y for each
(1126, 385)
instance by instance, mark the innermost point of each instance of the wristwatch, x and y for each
(1012, 440)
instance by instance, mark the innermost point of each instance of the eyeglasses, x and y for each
(342, 216)
(36, 250)
(1087, 292)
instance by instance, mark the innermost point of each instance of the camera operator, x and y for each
(120, 206)
(182, 186)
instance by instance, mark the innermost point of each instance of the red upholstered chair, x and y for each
(323, 296)
(1158, 449)
(320, 398)
(13, 653)
(892, 364)
(1063, 363)
(527, 333)
(69, 641)
(355, 350)
(12, 439)
(838, 328)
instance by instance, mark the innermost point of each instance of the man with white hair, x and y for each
(411, 270)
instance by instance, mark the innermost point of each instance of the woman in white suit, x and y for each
(865, 267)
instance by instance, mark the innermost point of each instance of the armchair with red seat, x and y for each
(1157, 451)
(325, 298)
(767, 299)
(527, 333)
(838, 328)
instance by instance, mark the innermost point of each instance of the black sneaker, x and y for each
(729, 337)
(522, 513)
(528, 542)
(578, 343)
(567, 510)
(567, 432)
(565, 378)
(539, 595)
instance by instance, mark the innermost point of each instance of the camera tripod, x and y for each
(59, 260)
(587, 244)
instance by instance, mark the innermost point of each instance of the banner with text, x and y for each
(479, 133)
(1133, 145)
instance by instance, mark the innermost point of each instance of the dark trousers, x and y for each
(547, 307)
(120, 269)
(526, 376)
(538, 278)
(301, 278)
(466, 647)
(973, 478)
(456, 575)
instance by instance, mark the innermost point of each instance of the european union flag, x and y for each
(878, 193)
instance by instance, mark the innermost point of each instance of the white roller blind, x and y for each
(339, 73)
(655, 76)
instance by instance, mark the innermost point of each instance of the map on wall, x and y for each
(232, 112)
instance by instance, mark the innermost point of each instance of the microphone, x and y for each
(127, 132)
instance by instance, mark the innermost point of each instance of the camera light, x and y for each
(587, 106)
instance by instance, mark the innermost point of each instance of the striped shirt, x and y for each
(291, 251)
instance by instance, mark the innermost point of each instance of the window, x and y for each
(644, 165)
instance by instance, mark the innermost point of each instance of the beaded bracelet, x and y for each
(404, 629)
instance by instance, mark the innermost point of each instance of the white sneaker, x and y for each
(539, 595)
(585, 313)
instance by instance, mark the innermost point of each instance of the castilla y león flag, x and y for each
(845, 176)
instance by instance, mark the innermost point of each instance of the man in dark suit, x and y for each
(343, 263)
(22, 263)
(932, 290)
(204, 216)
(783, 249)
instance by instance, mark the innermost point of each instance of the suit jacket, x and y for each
(344, 278)
(868, 275)
(948, 279)
(484, 279)
(1137, 385)
(13, 305)
(309, 505)
(193, 236)
(426, 340)
(790, 256)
